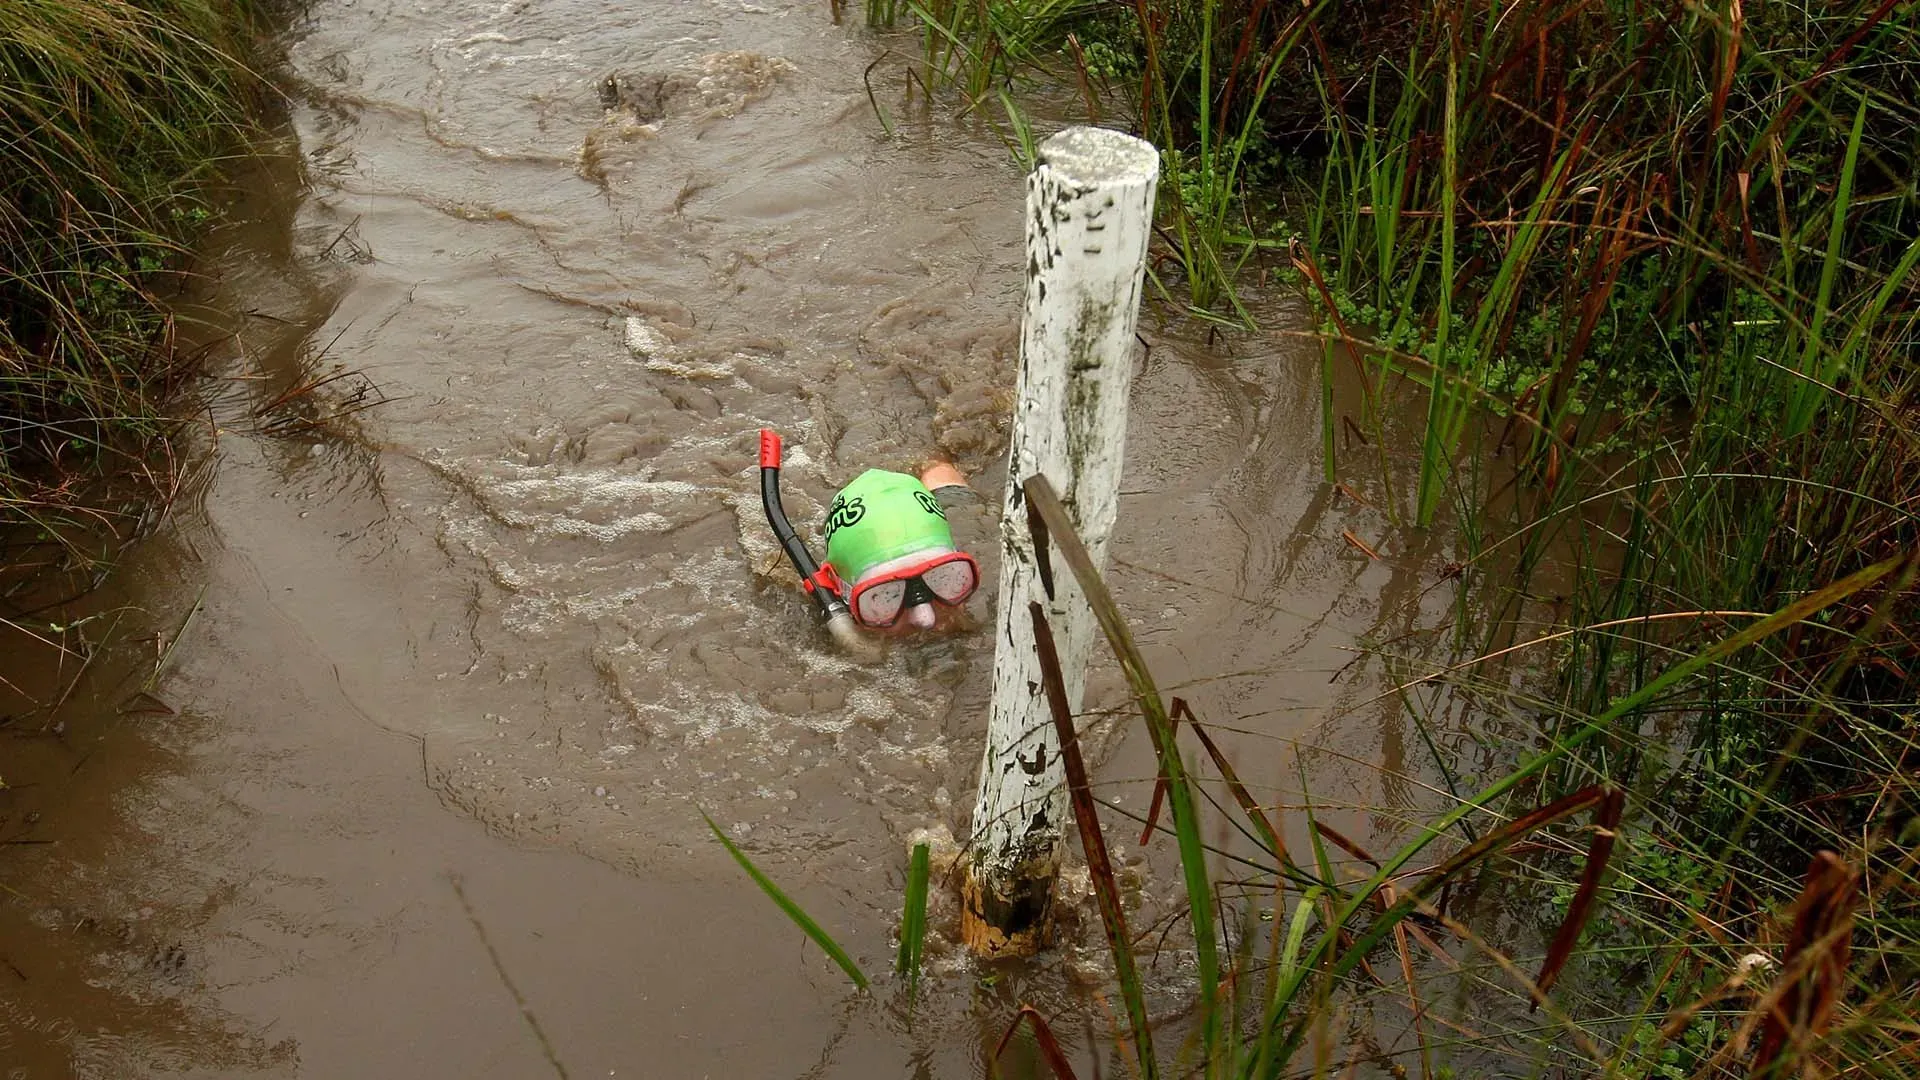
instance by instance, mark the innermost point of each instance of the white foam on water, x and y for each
(600, 485)
(543, 615)
(559, 525)
(645, 341)
(708, 370)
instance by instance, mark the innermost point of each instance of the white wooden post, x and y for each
(1089, 216)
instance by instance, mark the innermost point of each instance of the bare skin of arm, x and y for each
(940, 474)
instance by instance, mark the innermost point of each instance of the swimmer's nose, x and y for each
(920, 616)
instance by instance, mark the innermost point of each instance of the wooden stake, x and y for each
(1089, 216)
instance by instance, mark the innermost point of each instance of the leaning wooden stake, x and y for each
(1089, 215)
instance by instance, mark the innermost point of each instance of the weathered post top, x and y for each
(1090, 155)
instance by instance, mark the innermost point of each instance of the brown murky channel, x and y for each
(418, 793)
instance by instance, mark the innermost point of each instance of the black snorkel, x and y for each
(838, 617)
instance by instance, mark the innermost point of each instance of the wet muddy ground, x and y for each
(469, 637)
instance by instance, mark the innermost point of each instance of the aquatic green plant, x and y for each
(793, 911)
(1652, 268)
(913, 919)
(1819, 1006)
(1579, 212)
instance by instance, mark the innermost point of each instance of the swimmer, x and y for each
(890, 552)
(889, 544)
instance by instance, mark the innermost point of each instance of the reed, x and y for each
(1339, 926)
(1694, 336)
(976, 46)
(1652, 270)
(913, 919)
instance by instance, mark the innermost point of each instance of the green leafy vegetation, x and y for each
(112, 113)
(1257, 1015)
(1651, 270)
(913, 919)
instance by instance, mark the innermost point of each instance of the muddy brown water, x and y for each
(419, 791)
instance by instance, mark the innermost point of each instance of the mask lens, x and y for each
(952, 581)
(880, 604)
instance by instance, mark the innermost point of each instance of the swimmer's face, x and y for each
(924, 617)
(909, 593)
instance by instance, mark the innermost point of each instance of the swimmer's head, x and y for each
(889, 544)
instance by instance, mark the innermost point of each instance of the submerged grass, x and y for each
(112, 113)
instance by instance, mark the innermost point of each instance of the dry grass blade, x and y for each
(1814, 974)
(283, 414)
(1384, 899)
(1606, 823)
(1387, 896)
(1355, 952)
(166, 657)
(1042, 1034)
(1268, 835)
(873, 100)
(1513, 830)
(1193, 860)
(1303, 261)
(1340, 841)
(1043, 566)
(1174, 713)
(1413, 999)
(1113, 917)
(1505, 963)
(143, 703)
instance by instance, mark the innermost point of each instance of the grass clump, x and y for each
(1653, 269)
(112, 113)
(1588, 207)
(1663, 960)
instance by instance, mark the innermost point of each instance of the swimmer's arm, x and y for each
(955, 496)
(949, 486)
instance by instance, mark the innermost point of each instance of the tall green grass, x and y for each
(1691, 304)
(976, 46)
(1195, 78)
(913, 919)
(1255, 1019)
(1652, 270)
(1585, 214)
(111, 113)
(798, 915)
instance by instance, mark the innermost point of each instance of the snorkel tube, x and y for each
(833, 610)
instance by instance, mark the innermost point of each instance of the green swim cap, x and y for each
(882, 516)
